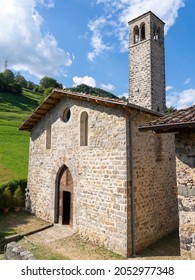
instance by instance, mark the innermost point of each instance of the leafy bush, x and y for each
(13, 184)
(18, 197)
(6, 198)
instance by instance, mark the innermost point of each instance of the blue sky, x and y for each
(86, 41)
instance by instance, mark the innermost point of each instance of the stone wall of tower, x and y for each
(140, 85)
(157, 77)
(147, 64)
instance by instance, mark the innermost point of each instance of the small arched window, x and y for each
(48, 135)
(158, 34)
(84, 129)
(143, 32)
(154, 32)
(136, 34)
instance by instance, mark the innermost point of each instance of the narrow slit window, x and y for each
(154, 32)
(143, 32)
(84, 129)
(48, 136)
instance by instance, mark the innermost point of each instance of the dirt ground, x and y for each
(61, 242)
(71, 246)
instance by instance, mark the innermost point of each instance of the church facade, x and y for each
(90, 168)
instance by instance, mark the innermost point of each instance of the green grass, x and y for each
(14, 144)
(42, 252)
(64, 248)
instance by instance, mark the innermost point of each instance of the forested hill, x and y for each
(93, 91)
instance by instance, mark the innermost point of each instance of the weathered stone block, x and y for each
(13, 251)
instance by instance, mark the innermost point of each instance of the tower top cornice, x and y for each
(143, 16)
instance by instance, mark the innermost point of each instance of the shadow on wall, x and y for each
(185, 153)
(167, 246)
(185, 148)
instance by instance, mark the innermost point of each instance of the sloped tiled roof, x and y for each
(181, 119)
(57, 95)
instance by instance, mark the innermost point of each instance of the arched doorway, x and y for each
(64, 197)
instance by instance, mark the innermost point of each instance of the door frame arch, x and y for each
(58, 189)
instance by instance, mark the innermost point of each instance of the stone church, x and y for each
(91, 169)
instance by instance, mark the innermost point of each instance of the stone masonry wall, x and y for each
(156, 209)
(158, 77)
(98, 171)
(140, 75)
(147, 66)
(101, 203)
(185, 152)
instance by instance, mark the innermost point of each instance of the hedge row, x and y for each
(13, 184)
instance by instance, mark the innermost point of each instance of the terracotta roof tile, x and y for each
(184, 118)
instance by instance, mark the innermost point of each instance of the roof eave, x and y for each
(168, 128)
(55, 96)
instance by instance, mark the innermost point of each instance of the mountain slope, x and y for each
(14, 144)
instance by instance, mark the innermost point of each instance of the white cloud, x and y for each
(97, 38)
(23, 43)
(117, 13)
(89, 81)
(47, 3)
(125, 94)
(187, 81)
(182, 99)
(169, 88)
(108, 87)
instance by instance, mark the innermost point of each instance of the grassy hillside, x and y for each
(14, 144)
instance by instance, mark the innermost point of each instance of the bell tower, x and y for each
(147, 62)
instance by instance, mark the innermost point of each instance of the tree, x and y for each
(124, 98)
(30, 85)
(19, 79)
(15, 88)
(93, 91)
(3, 85)
(47, 82)
(8, 83)
(170, 110)
(6, 198)
(8, 76)
(18, 197)
(46, 93)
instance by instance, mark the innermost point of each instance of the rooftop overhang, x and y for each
(56, 96)
(169, 128)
